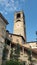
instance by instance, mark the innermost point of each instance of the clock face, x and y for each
(18, 25)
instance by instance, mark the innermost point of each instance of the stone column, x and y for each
(1, 51)
(23, 52)
(9, 48)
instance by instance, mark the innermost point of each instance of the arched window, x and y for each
(18, 15)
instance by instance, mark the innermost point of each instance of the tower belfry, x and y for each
(19, 24)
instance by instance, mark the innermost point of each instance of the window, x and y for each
(18, 15)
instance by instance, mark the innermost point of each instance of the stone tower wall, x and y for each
(19, 24)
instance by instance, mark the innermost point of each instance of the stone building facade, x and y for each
(9, 41)
(3, 24)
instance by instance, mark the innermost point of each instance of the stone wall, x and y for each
(2, 28)
(1, 51)
(2, 37)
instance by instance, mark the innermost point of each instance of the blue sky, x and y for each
(9, 7)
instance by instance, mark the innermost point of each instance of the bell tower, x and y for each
(19, 24)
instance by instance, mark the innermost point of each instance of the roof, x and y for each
(31, 42)
(4, 19)
(26, 46)
(34, 50)
(17, 35)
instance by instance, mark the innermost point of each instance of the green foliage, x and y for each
(15, 53)
(29, 52)
(11, 55)
(12, 62)
(17, 50)
(5, 51)
(30, 55)
(14, 57)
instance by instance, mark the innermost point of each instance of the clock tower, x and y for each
(19, 24)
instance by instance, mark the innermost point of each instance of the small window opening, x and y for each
(18, 15)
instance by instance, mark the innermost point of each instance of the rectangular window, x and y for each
(18, 15)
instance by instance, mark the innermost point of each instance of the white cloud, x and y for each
(10, 5)
(12, 1)
(4, 12)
